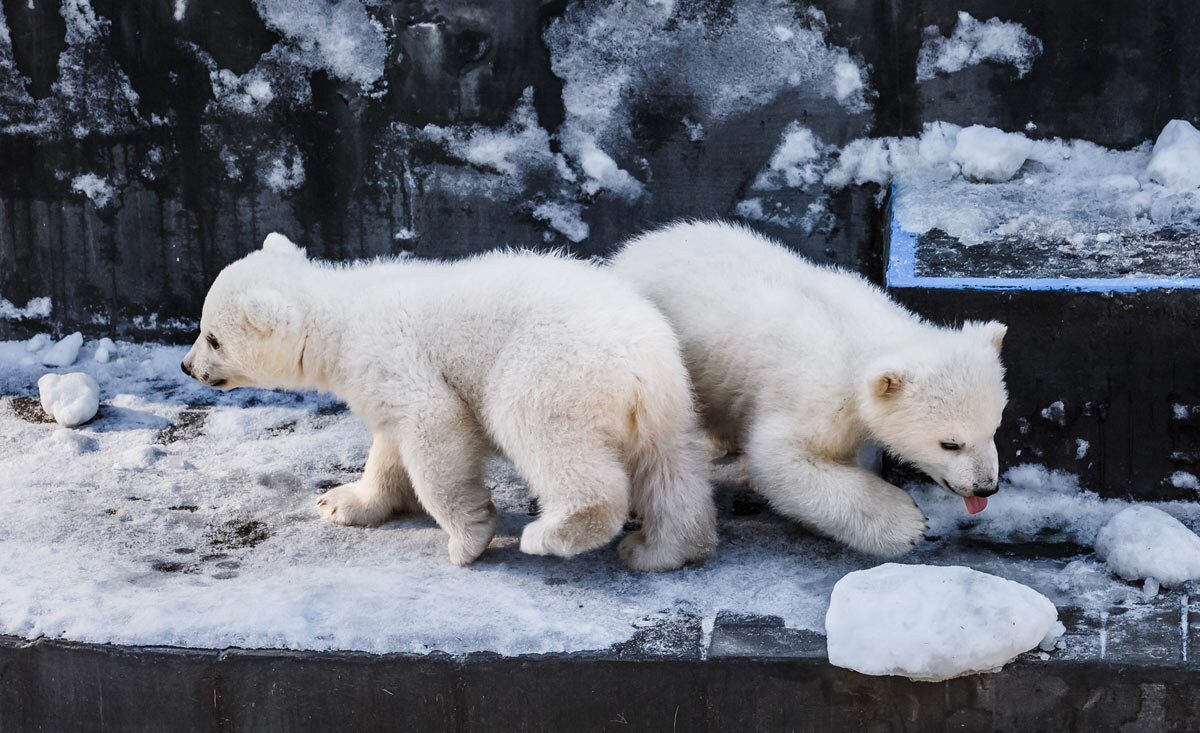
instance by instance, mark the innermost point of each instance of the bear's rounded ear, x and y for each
(993, 331)
(888, 384)
(266, 310)
(279, 244)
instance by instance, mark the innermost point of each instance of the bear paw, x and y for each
(893, 529)
(468, 544)
(636, 555)
(345, 505)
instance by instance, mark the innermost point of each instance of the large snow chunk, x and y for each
(71, 399)
(1144, 542)
(1175, 160)
(934, 623)
(64, 352)
(989, 154)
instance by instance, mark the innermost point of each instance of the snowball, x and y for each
(64, 352)
(1175, 160)
(989, 154)
(71, 399)
(1145, 542)
(105, 350)
(934, 623)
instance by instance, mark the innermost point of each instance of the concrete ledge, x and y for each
(64, 686)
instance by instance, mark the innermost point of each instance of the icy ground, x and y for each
(185, 516)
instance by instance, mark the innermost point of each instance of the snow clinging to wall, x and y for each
(974, 42)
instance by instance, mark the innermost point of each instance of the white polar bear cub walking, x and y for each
(800, 366)
(557, 363)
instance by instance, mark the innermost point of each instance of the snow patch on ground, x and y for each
(934, 623)
(1143, 542)
(974, 42)
(567, 219)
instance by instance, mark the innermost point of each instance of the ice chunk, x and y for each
(71, 399)
(934, 623)
(1145, 542)
(1175, 160)
(989, 154)
(105, 350)
(1185, 480)
(64, 352)
(974, 43)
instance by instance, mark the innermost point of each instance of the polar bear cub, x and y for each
(556, 363)
(800, 366)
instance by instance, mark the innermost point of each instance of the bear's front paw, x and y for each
(896, 526)
(637, 555)
(345, 505)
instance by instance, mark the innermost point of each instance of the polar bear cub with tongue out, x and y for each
(800, 366)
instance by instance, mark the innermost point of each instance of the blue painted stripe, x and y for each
(902, 267)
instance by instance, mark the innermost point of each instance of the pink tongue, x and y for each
(975, 504)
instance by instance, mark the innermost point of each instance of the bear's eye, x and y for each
(947, 445)
(212, 341)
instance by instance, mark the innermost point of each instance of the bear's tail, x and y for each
(668, 468)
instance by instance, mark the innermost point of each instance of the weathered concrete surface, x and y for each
(55, 685)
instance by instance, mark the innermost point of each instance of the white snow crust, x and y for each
(974, 42)
(1143, 542)
(71, 399)
(934, 623)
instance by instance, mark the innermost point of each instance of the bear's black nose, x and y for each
(183, 365)
(987, 492)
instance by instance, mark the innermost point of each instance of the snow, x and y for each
(1175, 159)
(567, 219)
(934, 623)
(1146, 542)
(34, 308)
(1185, 480)
(99, 190)
(987, 154)
(105, 349)
(515, 149)
(185, 516)
(63, 353)
(972, 43)
(284, 172)
(71, 399)
(341, 38)
(1081, 448)
(980, 184)
(795, 162)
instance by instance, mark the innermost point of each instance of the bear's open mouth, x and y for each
(975, 504)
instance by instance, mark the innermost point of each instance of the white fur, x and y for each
(556, 363)
(801, 366)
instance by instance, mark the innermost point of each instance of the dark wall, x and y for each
(350, 168)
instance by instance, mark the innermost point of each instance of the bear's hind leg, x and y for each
(582, 488)
(444, 456)
(842, 501)
(383, 490)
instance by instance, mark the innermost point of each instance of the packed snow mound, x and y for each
(1143, 542)
(973, 43)
(933, 623)
(71, 399)
(105, 349)
(63, 353)
(987, 154)
(1175, 159)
